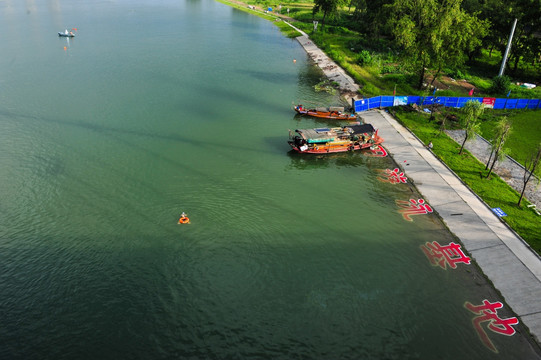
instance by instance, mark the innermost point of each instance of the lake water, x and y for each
(159, 107)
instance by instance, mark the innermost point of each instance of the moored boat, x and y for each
(333, 112)
(333, 140)
(66, 34)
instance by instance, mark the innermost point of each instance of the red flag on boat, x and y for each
(471, 92)
(74, 29)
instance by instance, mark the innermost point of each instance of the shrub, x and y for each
(456, 74)
(389, 69)
(500, 85)
(364, 58)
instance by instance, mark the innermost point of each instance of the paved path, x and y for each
(505, 258)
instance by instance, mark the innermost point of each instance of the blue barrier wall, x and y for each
(456, 102)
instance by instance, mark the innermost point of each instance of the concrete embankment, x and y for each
(347, 86)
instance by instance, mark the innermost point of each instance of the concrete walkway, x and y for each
(504, 257)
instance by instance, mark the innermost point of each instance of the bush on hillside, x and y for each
(364, 58)
(500, 85)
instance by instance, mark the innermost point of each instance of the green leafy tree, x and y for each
(526, 44)
(328, 8)
(503, 130)
(435, 33)
(531, 167)
(526, 41)
(369, 15)
(470, 120)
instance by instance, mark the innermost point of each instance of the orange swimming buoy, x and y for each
(184, 220)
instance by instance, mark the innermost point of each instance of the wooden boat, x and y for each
(66, 34)
(333, 140)
(333, 112)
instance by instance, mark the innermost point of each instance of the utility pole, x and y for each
(504, 60)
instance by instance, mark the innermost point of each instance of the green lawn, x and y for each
(526, 130)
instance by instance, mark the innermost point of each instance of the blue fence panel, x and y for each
(387, 101)
(441, 100)
(534, 104)
(428, 100)
(361, 105)
(522, 103)
(457, 102)
(499, 104)
(413, 100)
(452, 102)
(463, 100)
(511, 103)
(374, 102)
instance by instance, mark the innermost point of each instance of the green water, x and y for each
(158, 108)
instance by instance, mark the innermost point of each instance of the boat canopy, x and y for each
(322, 135)
(361, 129)
(336, 108)
(316, 135)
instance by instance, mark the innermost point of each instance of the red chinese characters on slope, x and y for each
(393, 176)
(379, 151)
(446, 255)
(487, 313)
(413, 207)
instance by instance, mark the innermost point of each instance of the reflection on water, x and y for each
(346, 159)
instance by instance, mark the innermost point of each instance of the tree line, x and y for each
(439, 34)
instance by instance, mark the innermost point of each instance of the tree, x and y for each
(531, 167)
(526, 45)
(369, 15)
(526, 41)
(435, 33)
(470, 120)
(503, 130)
(328, 7)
